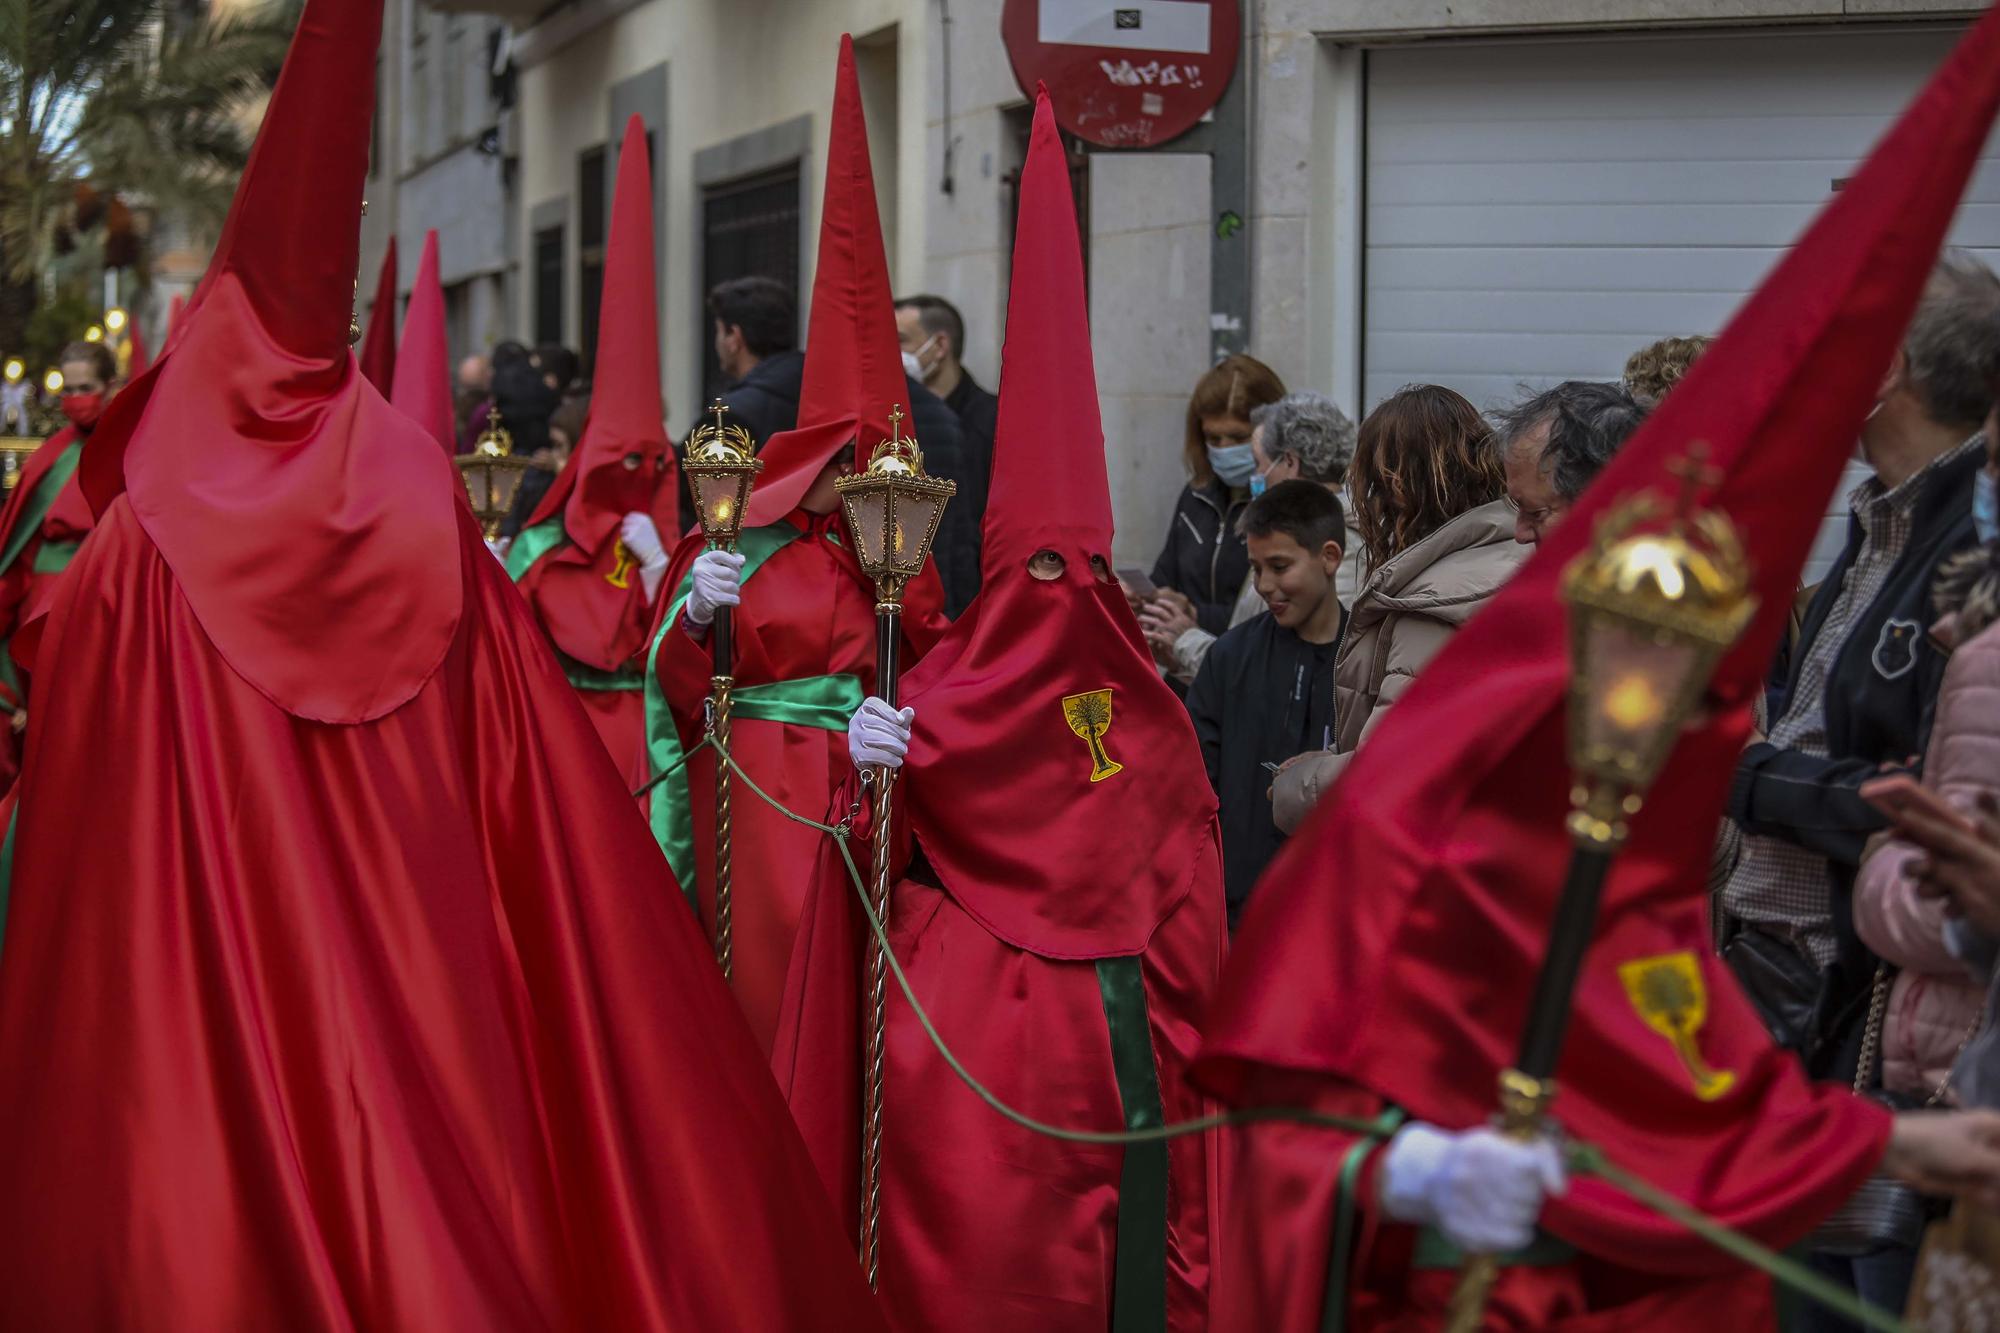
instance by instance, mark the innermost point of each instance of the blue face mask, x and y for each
(1986, 505)
(1234, 463)
(1258, 484)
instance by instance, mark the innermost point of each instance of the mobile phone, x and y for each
(1899, 794)
(1139, 581)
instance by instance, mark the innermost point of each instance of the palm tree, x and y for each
(138, 98)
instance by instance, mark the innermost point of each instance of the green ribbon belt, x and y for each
(824, 702)
(1340, 1255)
(36, 507)
(1139, 1279)
(531, 544)
(54, 557)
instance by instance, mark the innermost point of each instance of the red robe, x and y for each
(807, 622)
(391, 1025)
(988, 1226)
(581, 612)
(44, 521)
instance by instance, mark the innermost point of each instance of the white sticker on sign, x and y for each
(1180, 26)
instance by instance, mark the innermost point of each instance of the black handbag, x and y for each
(1782, 984)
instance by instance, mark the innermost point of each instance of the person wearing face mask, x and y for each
(803, 625)
(933, 336)
(1302, 436)
(45, 521)
(1058, 909)
(1202, 565)
(591, 560)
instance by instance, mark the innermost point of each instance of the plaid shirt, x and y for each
(1777, 885)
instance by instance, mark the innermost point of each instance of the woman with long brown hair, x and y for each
(1429, 510)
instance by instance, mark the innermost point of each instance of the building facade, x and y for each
(1483, 193)
(443, 159)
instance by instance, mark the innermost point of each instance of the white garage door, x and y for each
(1537, 210)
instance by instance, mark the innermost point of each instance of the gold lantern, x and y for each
(1651, 614)
(721, 465)
(893, 509)
(492, 474)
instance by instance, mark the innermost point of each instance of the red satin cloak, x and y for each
(988, 1227)
(809, 611)
(399, 1025)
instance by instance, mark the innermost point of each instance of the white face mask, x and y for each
(913, 362)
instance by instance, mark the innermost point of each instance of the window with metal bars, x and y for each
(591, 197)
(749, 228)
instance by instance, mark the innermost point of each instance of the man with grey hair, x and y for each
(1555, 443)
(1300, 436)
(1855, 698)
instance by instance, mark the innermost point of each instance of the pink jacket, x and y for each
(1934, 1002)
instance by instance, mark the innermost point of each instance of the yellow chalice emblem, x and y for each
(1668, 992)
(1089, 716)
(622, 563)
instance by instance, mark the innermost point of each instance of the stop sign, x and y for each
(1124, 73)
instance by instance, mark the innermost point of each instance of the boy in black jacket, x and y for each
(1265, 690)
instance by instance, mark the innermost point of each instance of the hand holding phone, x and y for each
(1912, 807)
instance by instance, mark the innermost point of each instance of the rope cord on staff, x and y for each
(1586, 1159)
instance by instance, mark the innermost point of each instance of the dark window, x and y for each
(549, 285)
(592, 194)
(749, 228)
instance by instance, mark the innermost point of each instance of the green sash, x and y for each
(531, 544)
(826, 702)
(1139, 1274)
(35, 508)
(1340, 1254)
(54, 557)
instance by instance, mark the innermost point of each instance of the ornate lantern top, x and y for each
(893, 508)
(1653, 610)
(721, 465)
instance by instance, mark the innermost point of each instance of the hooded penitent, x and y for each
(423, 369)
(805, 634)
(342, 986)
(378, 345)
(1391, 950)
(570, 564)
(1062, 914)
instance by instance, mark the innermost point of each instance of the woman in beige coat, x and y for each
(1428, 504)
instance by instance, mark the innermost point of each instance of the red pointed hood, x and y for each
(623, 464)
(140, 357)
(378, 346)
(854, 362)
(1393, 945)
(313, 536)
(1026, 829)
(423, 362)
(174, 308)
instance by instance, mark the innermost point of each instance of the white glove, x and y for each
(1484, 1191)
(718, 582)
(642, 539)
(878, 736)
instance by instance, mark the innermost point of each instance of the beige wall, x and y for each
(733, 67)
